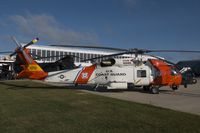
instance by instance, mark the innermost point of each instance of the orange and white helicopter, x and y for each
(113, 73)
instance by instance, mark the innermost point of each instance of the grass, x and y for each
(27, 107)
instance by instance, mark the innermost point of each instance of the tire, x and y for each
(154, 90)
(194, 81)
(174, 88)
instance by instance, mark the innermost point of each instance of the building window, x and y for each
(141, 73)
(61, 54)
(57, 55)
(77, 57)
(48, 55)
(52, 55)
(88, 57)
(43, 54)
(99, 59)
(74, 55)
(33, 53)
(84, 56)
(81, 55)
(39, 54)
(92, 55)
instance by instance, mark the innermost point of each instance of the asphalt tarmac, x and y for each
(183, 99)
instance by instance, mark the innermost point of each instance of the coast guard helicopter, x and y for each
(113, 73)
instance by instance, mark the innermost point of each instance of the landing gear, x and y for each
(151, 89)
(174, 87)
(95, 87)
(154, 90)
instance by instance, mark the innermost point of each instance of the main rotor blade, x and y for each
(105, 56)
(174, 51)
(5, 52)
(15, 41)
(31, 42)
(142, 51)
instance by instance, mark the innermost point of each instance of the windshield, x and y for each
(174, 71)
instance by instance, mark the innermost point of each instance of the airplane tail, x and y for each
(31, 69)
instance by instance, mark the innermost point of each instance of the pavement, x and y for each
(183, 99)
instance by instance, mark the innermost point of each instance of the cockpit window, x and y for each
(174, 71)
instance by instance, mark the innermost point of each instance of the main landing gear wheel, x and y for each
(174, 88)
(154, 90)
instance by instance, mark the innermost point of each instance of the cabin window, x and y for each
(141, 73)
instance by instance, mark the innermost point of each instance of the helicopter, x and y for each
(112, 73)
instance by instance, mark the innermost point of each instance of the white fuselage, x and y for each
(114, 76)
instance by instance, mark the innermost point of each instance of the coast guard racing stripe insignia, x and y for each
(85, 74)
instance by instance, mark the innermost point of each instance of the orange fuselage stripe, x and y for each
(85, 75)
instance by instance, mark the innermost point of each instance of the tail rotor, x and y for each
(20, 47)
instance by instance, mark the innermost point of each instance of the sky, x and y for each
(147, 24)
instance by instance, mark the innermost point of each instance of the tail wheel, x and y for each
(154, 90)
